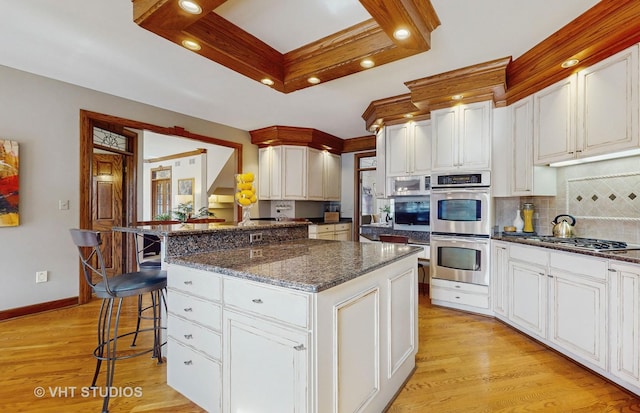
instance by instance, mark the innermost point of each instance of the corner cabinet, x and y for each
(408, 149)
(290, 172)
(592, 112)
(462, 137)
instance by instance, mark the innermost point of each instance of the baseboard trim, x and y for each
(38, 308)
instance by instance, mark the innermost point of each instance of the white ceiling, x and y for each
(96, 44)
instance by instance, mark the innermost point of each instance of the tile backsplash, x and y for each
(603, 196)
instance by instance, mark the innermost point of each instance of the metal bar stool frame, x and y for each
(117, 288)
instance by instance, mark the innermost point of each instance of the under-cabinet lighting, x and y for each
(596, 158)
(191, 45)
(313, 80)
(190, 6)
(408, 115)
(569, 63)
(267, 81)
(367, 63)
(401, 34)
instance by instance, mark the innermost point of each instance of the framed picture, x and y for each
(185, 190)
(9, 193)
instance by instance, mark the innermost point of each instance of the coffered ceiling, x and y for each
(96, 44)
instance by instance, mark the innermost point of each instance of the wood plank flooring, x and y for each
(465, 363)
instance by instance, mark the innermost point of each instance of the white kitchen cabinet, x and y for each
(500, 278)
(408, 149)
(294, 172)
(528, 289)
(578, 306)
(380, 188)
(592, 112)
(462, 137)
(332, 177)
(270, 172)
(624, 322)
(315, 175)
(266, 366)
(463, 296)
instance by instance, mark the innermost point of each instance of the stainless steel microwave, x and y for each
(410, 185)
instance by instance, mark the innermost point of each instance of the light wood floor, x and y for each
(465, 363)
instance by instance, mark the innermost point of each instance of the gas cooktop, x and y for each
(592, 244)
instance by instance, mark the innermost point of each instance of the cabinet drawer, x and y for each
(458, 286)
(534, 255)
(460, 297)
(342, 227)
(195, 309)
(578, 264)
(288, 306)
(319, 229)
(195, 376)
(196, 336)
(204, 284)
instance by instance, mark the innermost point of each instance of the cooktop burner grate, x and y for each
(588, 243)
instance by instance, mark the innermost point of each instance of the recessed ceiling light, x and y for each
(313, 80)
(457, 97)
(408, 115)
(570, 63)
(190, 6)
(267, 81)
(191, 45)
(367, 63)
(401, 34)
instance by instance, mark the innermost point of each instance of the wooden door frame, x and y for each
(357, 210)
(87, 121)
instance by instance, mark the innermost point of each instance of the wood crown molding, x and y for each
(290, 135)
(332, 57)
(195, 152)
(607, 28)
(388, 110)
(359, 144)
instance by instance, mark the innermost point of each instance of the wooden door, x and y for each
(107, 207)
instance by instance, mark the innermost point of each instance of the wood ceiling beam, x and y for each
(417, 16)
(389, 110)
(291, 135)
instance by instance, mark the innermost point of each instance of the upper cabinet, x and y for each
(408, 149)
(592, 112)
(380, 187)
(270, 172)
(462, 137)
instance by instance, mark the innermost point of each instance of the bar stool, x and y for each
(110, 289)
(422, 264)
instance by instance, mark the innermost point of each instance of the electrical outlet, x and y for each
(256, 254)
(63, 205)
(42, 276)
(255, 237)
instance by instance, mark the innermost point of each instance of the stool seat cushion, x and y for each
(130, 284)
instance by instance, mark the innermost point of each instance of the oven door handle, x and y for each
(438, 238)
(479, 190)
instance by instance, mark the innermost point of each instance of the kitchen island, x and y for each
(295, 326)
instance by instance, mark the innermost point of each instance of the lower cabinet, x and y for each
(499, 278)
(624, 322)
(254, 347)
(338, 232)
(528, 299)
(464, 296)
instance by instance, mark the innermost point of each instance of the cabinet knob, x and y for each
(188, 310)
(550, 276)
(188, 336)
(257, 301)
(611, 270)
(188, 282)
(457, 298)
(188, 363)
(299, 347)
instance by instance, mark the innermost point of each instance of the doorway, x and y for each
(368, 209)
(120, 249)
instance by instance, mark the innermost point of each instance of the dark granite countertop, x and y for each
(632, 256)
(310, 265)
(191, 229)
(376, 237)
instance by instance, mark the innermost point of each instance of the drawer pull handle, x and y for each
(188, 363)
(188, 283)
(188, 336)
(299, 347)
(188, 310)
(457, 286)
(611, 270)
(457, 298)
(550, 276)
(541, 273)
(257, 301)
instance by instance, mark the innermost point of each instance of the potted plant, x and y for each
(386, 210)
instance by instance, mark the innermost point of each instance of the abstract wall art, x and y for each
(9, 183)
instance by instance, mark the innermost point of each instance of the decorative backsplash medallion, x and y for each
(613, 197)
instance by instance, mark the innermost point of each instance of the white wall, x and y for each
(346, 201)
(43, 116)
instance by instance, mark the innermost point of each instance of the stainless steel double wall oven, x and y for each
(461, 222)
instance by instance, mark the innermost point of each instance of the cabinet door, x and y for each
(255, 382)
(420, 154)
(554, 122)
(315, 175)
(522, 149)
(500, 277)
(332, 177)
(577, 316)
(475, 135)
(294, 161)
(624, 321)
(444, 125)
(608, 104)
(264, 173)
(528, 299)
(397, 147)
(380, 188)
